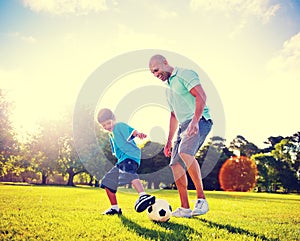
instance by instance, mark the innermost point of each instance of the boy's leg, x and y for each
(114, 204)
(111, 196)
(110, 184)
(145, 200)
(129, 175)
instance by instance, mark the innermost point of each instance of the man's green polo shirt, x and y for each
(180, 100)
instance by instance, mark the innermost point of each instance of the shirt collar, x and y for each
(174, 72)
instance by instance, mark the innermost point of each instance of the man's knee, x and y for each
(176, 167)
(187, 159)
(185, 155)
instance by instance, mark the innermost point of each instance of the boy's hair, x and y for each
(105, 114)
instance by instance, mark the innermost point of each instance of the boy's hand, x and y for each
(141, 135)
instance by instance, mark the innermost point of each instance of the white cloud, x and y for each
(60, 7)
(260, 8)
(21, 36)
(240, 12)
(285, 65)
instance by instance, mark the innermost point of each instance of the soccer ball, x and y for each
(160, 211)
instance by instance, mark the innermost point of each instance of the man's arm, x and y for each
(200, 96)
(172, 129)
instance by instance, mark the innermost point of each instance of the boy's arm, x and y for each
(135, 133)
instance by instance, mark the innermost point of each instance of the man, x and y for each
(187, 101)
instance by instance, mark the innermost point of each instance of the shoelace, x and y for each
(198, 202)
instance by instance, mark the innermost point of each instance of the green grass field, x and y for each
(74, 213)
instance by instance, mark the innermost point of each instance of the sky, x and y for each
(250, 49)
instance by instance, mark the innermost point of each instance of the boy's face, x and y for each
(108, 125)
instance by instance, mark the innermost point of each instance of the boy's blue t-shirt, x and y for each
(122, 144)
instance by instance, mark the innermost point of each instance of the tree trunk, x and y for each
(156, 184)
(91, 181)
(44, 179)
(71, 178)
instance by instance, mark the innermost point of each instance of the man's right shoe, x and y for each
(182, 213)
(112, 211)
(144, 202)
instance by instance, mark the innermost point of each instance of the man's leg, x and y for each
(193, 169)
(180, 178)
(201, 206)
(136, 183)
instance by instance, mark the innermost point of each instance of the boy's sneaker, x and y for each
(144, 202)
(182, 213)
(112, 211)
(201, 207)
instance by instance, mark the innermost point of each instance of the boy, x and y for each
(128, 157)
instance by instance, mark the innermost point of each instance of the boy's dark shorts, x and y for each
(121, 174)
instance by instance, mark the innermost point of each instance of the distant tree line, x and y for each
(49, 156)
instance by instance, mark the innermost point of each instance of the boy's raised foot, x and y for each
(144, 202)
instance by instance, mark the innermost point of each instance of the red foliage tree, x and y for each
(238, 174)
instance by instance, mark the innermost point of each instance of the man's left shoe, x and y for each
(144, 202)
(182, 213)
(201, 207)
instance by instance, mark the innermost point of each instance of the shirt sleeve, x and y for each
(123, 132)
(168, 94)
(190, 79)
(113, 150)
(131, 136)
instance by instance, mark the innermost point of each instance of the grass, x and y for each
(74, 213)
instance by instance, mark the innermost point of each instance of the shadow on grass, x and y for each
(235, 230)
(173, 231)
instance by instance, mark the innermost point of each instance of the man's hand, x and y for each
(192, 128)
(167, 149)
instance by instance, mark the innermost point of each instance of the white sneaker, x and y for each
(182, 213)
(201, 207)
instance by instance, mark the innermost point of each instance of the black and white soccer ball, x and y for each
(160, 211)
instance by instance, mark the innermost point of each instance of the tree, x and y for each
(8, 143)
(44, 149)
(268, 171)
(68, 161)
(285, 153)
(271, 141)
(244, 147)
(216, 145)
(154, 166)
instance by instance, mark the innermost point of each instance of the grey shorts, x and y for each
(189, 144)
(121, 174)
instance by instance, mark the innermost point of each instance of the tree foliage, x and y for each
(8, 143)
(54, 151)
